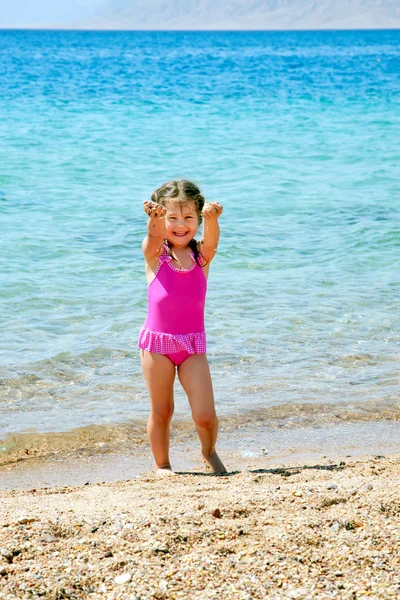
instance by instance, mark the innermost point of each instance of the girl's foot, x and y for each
(215, 463)
(165, 472)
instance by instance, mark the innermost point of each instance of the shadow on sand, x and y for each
(283, 471)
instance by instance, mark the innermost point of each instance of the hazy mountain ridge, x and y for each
(253, 14)
(202, 14)
(29, 13)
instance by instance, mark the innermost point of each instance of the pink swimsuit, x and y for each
(175, 320)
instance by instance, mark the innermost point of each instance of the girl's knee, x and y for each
(161, 415)
(205, 420)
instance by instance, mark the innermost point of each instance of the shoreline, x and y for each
(248, 448)
(310, 531)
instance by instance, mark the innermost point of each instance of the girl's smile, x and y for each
(181, 223)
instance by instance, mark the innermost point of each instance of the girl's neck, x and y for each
(179, 249)
(181, 255)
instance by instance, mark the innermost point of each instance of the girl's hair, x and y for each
(181, 192)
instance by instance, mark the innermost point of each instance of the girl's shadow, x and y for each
(283, 471)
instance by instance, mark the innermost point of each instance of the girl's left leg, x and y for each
(194, 375)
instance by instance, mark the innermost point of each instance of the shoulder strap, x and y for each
(165, 256)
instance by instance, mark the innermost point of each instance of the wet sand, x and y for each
(314, 530)
(245, 448)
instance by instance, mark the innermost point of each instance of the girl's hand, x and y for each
(154, 210)
(212, 210)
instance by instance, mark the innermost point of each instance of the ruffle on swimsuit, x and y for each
(167, 343)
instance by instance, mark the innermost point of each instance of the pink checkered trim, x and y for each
(165, 257)
(167, 343)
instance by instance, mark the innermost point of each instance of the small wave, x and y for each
(359, 359)
(90, 440)
(17, 382)
(98, 353)
(316, 414)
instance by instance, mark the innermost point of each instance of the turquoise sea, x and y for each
(296, 134)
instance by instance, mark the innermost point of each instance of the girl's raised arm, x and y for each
(209, 242)
(152, 243)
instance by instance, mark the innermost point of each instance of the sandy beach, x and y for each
(326, 530)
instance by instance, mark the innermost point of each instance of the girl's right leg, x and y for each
(159, 372)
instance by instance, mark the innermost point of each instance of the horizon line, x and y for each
(127, 30)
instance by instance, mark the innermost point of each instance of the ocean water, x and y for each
(296, 134)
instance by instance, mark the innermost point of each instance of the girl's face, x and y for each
(181, 223)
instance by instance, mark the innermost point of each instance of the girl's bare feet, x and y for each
(164, 472)
(215, 463)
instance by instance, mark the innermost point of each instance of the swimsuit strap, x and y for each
(166, 257)
(199, 258)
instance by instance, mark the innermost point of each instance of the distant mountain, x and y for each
(37, 13)
(245, 14)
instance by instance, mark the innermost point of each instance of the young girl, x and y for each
(173, 336)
